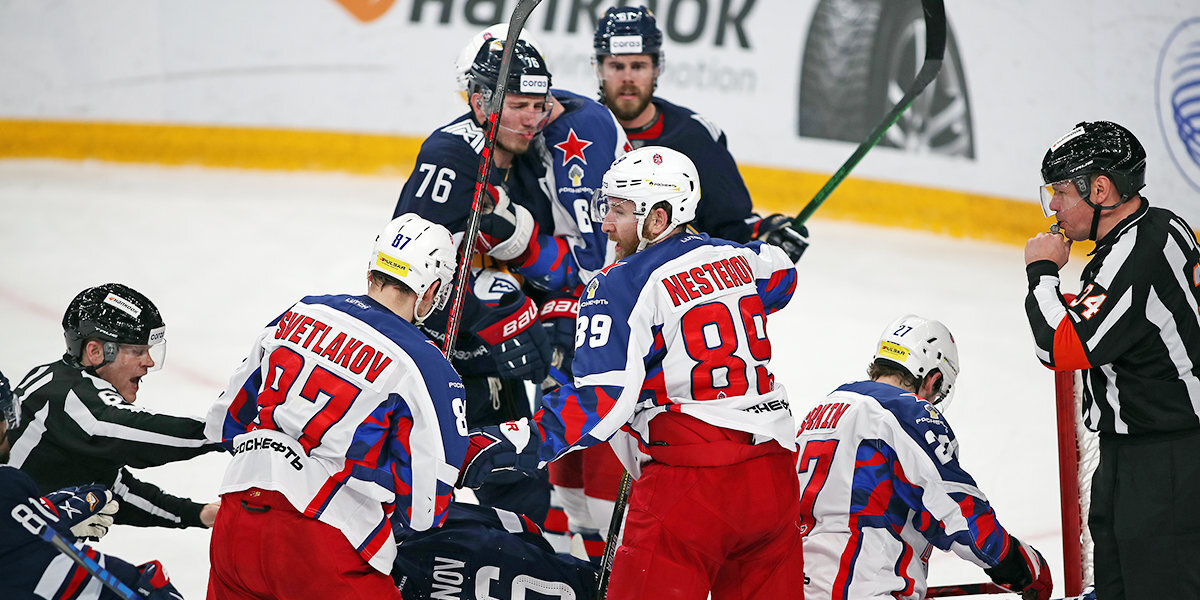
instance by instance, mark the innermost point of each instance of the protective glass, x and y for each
(156, 349)
(602, 204)
(520, 110)
(1063, 189)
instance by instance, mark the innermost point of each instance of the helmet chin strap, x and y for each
(642, 241)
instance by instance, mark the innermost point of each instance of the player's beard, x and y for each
(627, 109)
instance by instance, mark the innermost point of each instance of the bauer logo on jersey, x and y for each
(123, 304)
(534, 84)
(625, 44)
(893, 351)
(394, 266)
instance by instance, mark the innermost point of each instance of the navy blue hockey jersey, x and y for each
(32, 567)
(484, 553)
(725, 206)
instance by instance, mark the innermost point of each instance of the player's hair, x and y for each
(883, 367)
(385, 280)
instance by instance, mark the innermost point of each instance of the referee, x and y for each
(1134, 329)
(77, 422)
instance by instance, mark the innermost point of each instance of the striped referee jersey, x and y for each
(75, 429)
(1134, 327)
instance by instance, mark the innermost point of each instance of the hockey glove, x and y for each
(780, 230)
(516, 340)
(86, 511)
(1023, 570)
(499, 454)
(154, 584)
(505, 231)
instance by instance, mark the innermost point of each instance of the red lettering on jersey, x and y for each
(834, 415)
(741, 268)
(316, 348)
(284, 322)
(688, 286)
(362, 359)
(299, 330)
(331, 350)
(678, 296)
(712, 275)
(380, 363)
(814, 417)
(698, 276)
(318, 327)
(723, 270)
(344, 357)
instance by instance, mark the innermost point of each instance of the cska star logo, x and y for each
(573, 147)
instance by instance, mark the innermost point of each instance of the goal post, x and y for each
(1078, 455)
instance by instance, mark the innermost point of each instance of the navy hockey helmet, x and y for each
(628, 30)
(528, 73)
(113, 314)
(1097, 147)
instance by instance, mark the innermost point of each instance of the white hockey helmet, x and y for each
(921, 347)
(645, 177)
(466, 56)
(416, 252)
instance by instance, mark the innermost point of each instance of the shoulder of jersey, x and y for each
(691, 125)
(907, 406)
(460, 135)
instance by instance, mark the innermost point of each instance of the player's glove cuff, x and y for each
(504, 233)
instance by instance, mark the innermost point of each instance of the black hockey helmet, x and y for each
(528, 73)
(8, 404)
(1097, 147)
(114, 314)
(628, 30)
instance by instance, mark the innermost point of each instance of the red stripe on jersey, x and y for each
(902, 567)
(650, 133)
(604, 402)
(381, 536)
(317, 506)
(1069, 354)
(573, 417)
(78, 577)
(846, 563)
(239, 402)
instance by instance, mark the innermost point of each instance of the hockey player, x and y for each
(78, 423)
(35, 569)
(882, 485)
(499, 342)
(1134, 331)
(498, 553)
(343, 418)
(580, 140)
(628, 60)
(671, 362)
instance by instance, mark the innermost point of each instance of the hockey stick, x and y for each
(108, 579)
(614, 532)
(935, 47)
(966, 589)
(494, 107)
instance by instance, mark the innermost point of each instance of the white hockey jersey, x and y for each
(351, 413)
(881, 486)
(679, 326)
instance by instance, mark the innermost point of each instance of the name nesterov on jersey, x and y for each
(693, 283)
(345, 350)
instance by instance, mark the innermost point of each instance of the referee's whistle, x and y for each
(1056, 228)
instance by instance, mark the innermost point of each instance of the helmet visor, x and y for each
(606, 207)
(1064, 189)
